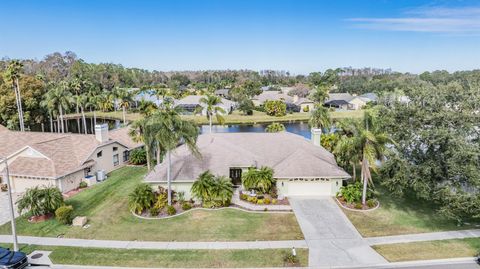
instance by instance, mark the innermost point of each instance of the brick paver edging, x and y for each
(212, 209)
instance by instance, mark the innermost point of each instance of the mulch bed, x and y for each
(42, 218)
(353, 205)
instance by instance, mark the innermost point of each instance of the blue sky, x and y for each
(295, 35)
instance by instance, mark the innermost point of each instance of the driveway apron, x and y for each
(331, 238)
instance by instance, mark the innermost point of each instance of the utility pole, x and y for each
(10, 203)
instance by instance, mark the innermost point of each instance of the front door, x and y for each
(236, 176)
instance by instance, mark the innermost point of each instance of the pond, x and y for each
(299, 128)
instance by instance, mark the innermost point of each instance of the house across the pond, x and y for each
(301, 167)
(62, 160)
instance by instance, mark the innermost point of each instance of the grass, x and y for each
(429, 250)
(106, 207)
(168, 258)
(235, 118)
(397, 216)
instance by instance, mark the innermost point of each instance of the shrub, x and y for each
(181, 197)
(306, 109)
(265, 209)
(171, 210)
(138, 156)
(267, 201)
(371, 203)
(252, 199)
(186, 206)
(83, 185)
(162, 200)
(260, 179)
(275, 128)
(243, 196)
(352, 193)
(64, 214)
(154, 211)
(141, 198)
(260, 202)
(276, 108)
(358, 206)
(215, 191)
(40, 201)
(274, 201)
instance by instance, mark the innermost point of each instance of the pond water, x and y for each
(299, 128)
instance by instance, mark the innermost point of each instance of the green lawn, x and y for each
(401, 216)
(236, 117)
(429, 250)
(106, 207)
(169, 258)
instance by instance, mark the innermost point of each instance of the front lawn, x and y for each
(429, 250)
(401, 216)
(253, 258)
(106, 207)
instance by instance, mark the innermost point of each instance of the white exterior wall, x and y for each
(177, 187)
(70, 182)
(105, 162)
(306, 187)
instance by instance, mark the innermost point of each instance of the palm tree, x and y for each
(265, 179)
(320, 118)
(76, 87)
(106, 101)
(12, 75)
(82, 101)
(138, 135)
(202, 187)
(211, 107)
(168, 130)
(124, 98)
(59, 96)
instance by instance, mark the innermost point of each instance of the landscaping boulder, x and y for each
(79, 221)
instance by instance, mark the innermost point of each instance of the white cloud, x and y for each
(433, 19)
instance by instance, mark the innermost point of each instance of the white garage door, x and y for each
(302, 188)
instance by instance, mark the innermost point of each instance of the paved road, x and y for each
(331, 238)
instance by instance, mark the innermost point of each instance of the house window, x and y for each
(115, 149)
(126, 155)
(99, 154)
(115, 160)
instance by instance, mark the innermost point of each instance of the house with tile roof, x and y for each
(345, 101)
(191, 104)
(293, 103)
(301, 168)
(62, 160)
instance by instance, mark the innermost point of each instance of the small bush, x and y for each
(260, 202)
(352, 193)
(265, 209)
(83, 185)
(64, 214)
(171, 210)
(181, 197)
(306, 109)
(154, 211)
(186, 206)
(267, 201)
(371, 203)
(161, 202)
(274, 201)
(358, 206)
(138, 156)
(252, 199)
(243, 196)
(260, 196)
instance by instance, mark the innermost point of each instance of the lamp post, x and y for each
(10, 204)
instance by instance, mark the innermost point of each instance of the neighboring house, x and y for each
(301, 168)
(293, 102)
(369, 97)
(62, 160)
(222, 93)
(345, 101)
(146, 95)
(191, 103)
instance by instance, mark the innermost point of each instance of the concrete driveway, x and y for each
(331, 237)
(4, 209)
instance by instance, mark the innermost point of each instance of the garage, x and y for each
(309, 188)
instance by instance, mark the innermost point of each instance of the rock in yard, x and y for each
(79, 221)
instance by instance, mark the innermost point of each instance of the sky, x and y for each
(299, 36)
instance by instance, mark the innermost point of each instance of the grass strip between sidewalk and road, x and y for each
(253, 258)
(430, 250)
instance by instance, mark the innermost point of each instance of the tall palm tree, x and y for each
(212, 108)
(168, 130)
(320, 118)
(81, 101)
(106, 101)
(138, 134)
(124, 97)
(12, 74)
(76, 87)
(59, 96)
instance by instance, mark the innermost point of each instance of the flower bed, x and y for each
(358, 206)
(262, 199)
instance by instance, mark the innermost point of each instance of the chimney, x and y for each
(101, 132)
(295, 98)
(316, 136)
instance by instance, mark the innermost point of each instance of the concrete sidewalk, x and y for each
(406, 238)
(68, 242)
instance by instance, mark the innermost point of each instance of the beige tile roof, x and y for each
(288, 154)
(64, 153)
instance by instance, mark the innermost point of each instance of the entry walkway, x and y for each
(70, 242)
(331, 238)
(406, 238)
